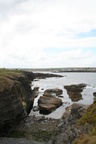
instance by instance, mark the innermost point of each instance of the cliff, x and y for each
(16, 98)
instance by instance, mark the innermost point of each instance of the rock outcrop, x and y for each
(55, 91)
(16, 98)
(45, 75)
(54, 131)
(69, 129)
(47, 104)
(74, 91)
(94, 94)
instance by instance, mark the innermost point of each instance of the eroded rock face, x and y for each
(11, 106)
(74, 91)
(11, 109)
(47, 104)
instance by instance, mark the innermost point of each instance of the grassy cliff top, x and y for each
(90, 115)
(9, 72)
(7, 76)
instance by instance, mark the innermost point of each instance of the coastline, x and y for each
(66, 69)
(41, 130)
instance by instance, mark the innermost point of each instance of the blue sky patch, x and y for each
(61, 50)
(91, 33)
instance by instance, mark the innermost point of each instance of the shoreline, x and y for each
(42, 130)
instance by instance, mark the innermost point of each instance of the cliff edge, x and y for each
(16, 98)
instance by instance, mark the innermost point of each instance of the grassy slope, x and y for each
(89, 117)
(6, 76)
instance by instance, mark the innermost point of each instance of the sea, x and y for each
(69, 78)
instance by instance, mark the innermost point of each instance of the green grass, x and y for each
(7, 72)
(90, 118)
(6, 76)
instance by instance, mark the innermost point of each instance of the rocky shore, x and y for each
(16, 97)
(54, 131)
(16, 101)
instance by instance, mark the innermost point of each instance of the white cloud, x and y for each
(28, 27)
(71, 58)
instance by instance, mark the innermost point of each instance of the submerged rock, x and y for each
(74, 91)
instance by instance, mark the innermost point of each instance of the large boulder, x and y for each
(47, 104)
(74, 91)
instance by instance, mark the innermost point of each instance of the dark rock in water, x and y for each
(94, 94)
(74, 91)
(55, 91)
(45, 75)
(47, 104)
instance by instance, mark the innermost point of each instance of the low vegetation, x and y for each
(90, 118)
(9, 72)
(6, 77)
(85, 139)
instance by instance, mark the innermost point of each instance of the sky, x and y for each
(47, 33)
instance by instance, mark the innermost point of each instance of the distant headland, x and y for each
(66, 69)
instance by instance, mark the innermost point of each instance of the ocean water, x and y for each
(67, 79)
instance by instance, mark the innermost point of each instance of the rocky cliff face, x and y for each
(16, 99)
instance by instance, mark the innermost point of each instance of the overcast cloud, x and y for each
(47, 33)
